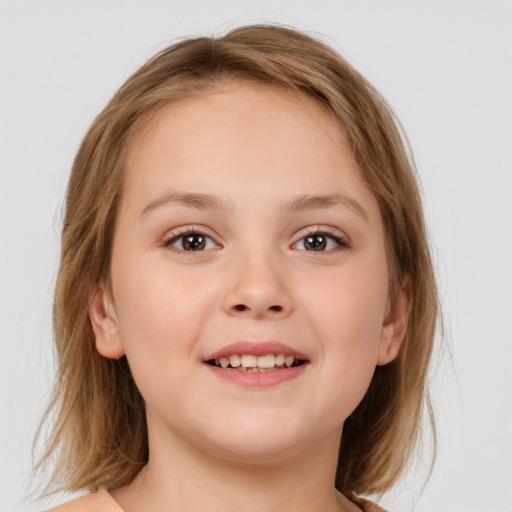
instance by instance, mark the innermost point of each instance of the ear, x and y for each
(394, 327)
(104, 324)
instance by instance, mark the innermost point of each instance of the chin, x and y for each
(256, 440)
(268, 452)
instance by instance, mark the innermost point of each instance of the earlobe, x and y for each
(104, 324)
(394, 327)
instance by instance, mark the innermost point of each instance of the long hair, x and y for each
(99, 433)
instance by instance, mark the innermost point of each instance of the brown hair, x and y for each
(99, 436)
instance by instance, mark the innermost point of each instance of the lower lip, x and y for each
(258, 379)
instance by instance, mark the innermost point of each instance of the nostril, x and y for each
(243, 307)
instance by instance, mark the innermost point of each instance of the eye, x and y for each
(190, 241)
(320, 242)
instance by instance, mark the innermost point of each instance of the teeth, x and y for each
(235, 361)
(267, 361)
(250, 363)
(279, 359)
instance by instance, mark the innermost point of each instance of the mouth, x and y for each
(254, 363)
(257, 364)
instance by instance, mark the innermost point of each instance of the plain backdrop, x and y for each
(445, 67)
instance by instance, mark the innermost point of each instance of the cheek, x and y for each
(348, 321)
(159, 313)
(350, 305)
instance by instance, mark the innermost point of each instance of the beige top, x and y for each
(101, 501)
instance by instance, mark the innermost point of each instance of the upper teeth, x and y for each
(250, 361)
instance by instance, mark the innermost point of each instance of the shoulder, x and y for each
(98, 501)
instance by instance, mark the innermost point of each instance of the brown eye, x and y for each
(320, 242)
(315, 243)
(190, 241)
(193, 242)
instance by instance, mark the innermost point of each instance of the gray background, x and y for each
(445, 67)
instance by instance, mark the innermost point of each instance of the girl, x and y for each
(246, 306)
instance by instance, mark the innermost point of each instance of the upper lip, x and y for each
(257, 348)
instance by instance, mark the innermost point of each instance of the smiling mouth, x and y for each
(252, 363)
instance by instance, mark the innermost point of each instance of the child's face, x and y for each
(281, 243)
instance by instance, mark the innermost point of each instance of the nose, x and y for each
(257, 288)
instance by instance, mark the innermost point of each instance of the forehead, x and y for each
(260, 135)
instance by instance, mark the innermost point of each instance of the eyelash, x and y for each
(174, 237)
(340, 241)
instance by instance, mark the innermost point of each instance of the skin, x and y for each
(216, 445)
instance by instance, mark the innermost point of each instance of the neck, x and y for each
(179, 476)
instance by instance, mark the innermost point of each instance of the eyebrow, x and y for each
(311, 202)
(191, 200)
(211, 202)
